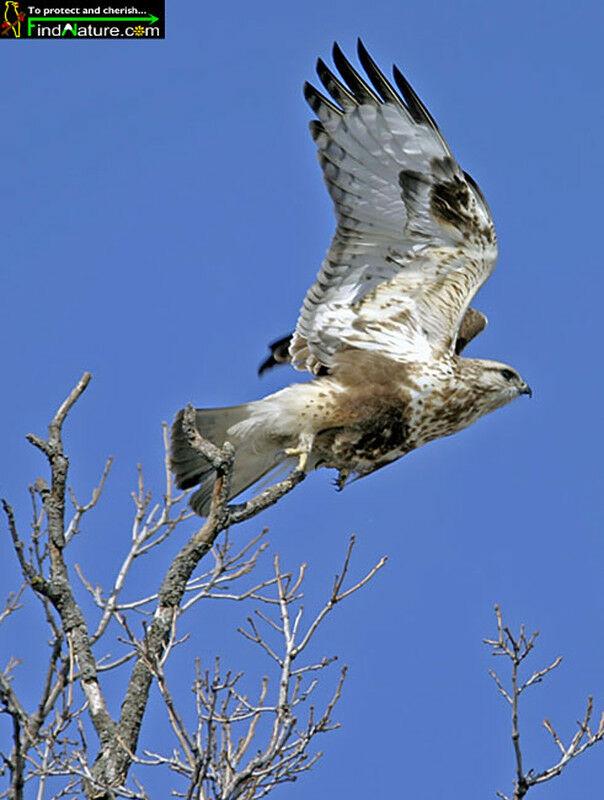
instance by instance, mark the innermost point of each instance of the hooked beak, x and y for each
(526, 389)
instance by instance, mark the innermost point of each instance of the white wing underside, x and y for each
(414, 240)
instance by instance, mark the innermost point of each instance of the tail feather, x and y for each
(248, 468)
(190, 468)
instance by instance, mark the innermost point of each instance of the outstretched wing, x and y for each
(473, 323)
(414, 240)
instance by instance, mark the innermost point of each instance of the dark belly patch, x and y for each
(379, 430)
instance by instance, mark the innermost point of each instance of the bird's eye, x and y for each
(507, 374)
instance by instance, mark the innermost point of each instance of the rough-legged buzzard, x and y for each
(383, 327)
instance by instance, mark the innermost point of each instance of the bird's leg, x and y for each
(302, 450)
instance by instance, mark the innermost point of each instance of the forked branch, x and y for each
(226, 755)
(45, 741)
(516, 647)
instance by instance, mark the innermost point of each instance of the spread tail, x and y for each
(253, 459)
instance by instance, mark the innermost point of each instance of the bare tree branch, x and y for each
(228, 721)
(52, 742)
(57, 588)
(516, 649)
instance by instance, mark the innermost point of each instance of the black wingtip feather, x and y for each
(418, 110)
(476, 188)
(380, 83)
(316, 99)
(336, 88)
(362, 51)
(316, 129)
(362, 92)
(310, 94)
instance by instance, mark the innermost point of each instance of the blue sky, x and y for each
(164, 214)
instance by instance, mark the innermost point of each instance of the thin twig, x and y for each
(516, 648)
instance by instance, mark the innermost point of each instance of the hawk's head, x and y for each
(496, 384)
